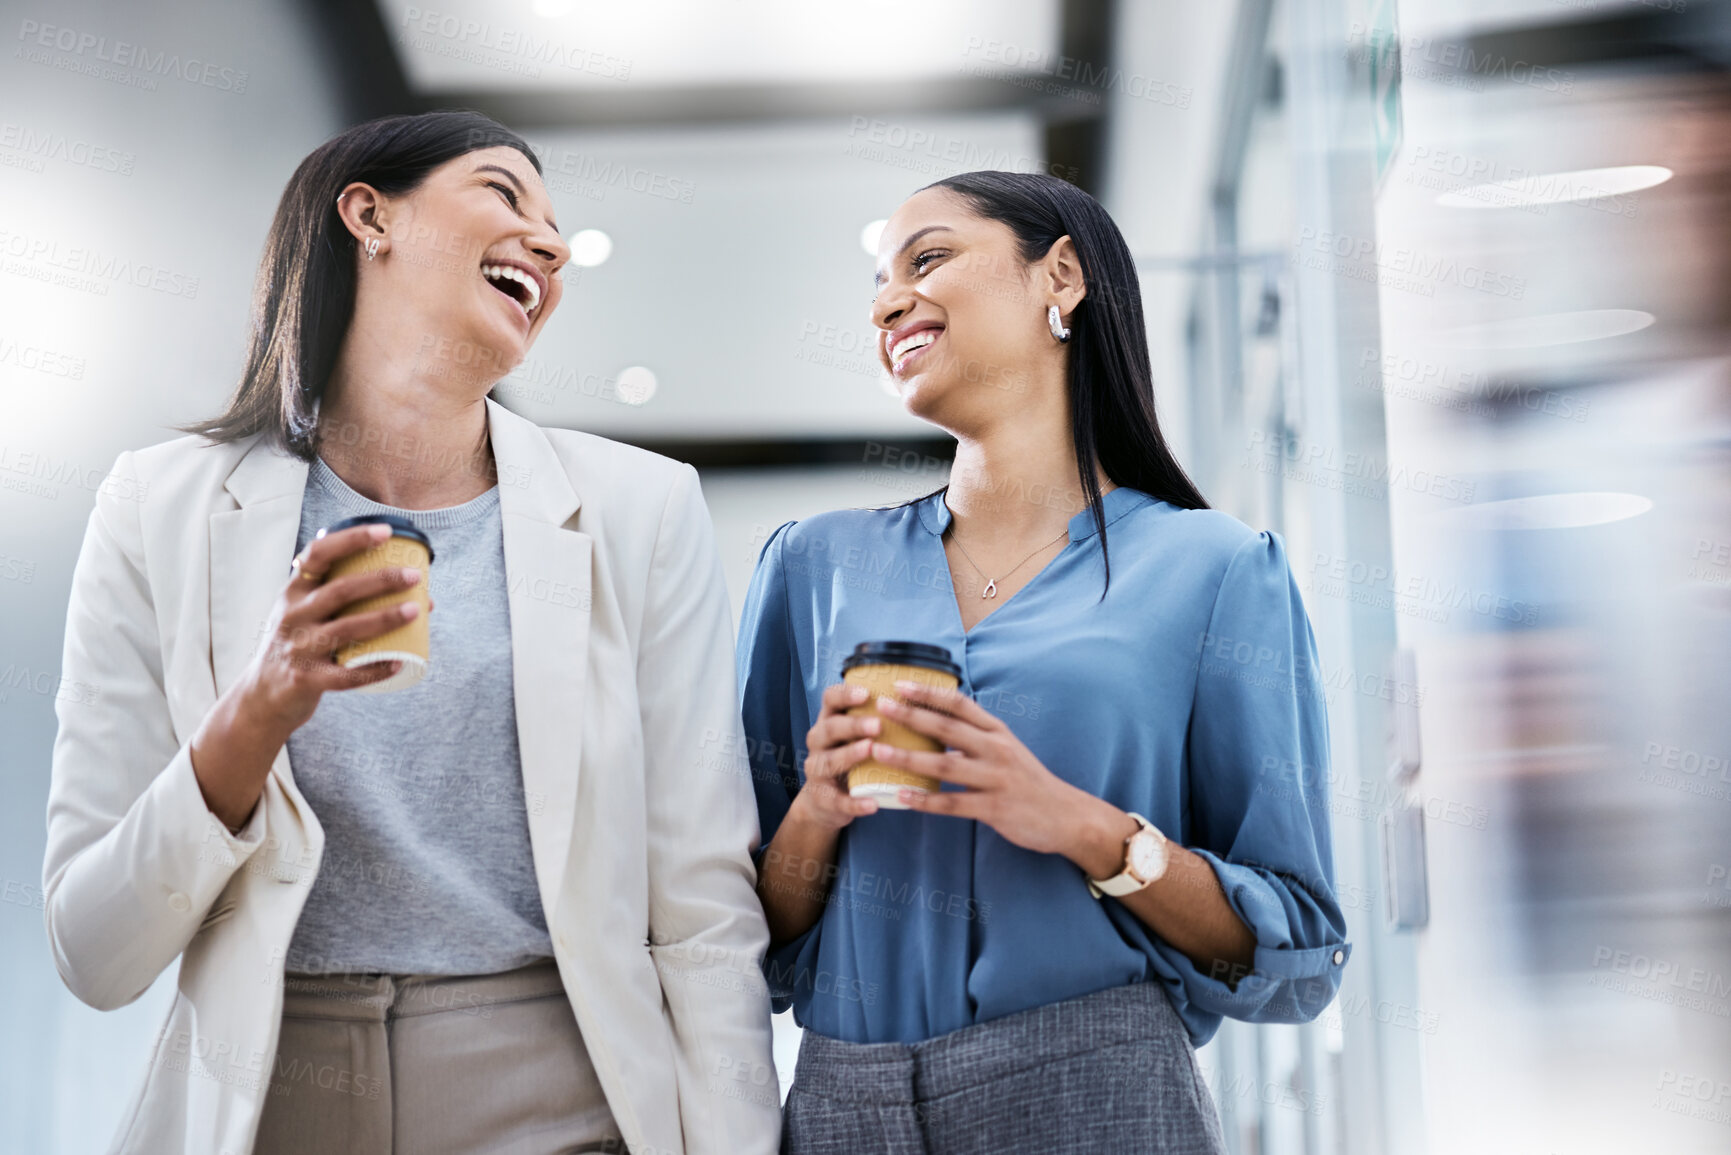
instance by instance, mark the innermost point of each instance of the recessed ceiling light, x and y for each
(590, 247)
(1552, 511)
(1543, 329)
(868, 236)
(635, 385)
(1557, 187)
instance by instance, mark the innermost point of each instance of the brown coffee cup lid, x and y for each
(400, 527)
(920, 654)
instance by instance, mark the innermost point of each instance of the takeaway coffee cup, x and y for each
(878, 666)
(407, 643)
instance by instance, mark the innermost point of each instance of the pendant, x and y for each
(991, 590)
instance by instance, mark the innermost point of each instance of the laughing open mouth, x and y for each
(515, 284)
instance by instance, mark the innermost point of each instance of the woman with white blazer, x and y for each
(508, 908)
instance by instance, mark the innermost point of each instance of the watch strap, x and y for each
(1126, 881)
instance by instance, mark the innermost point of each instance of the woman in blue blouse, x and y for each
(1138, 708)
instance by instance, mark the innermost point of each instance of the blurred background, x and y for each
(1436, 289)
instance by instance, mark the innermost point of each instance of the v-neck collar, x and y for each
(935, 515)
(1115, 503)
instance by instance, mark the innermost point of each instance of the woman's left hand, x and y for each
(1004, 785)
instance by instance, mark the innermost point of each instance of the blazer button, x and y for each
(179, 901)
(1339, 957)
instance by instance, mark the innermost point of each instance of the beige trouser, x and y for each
(432, 1065)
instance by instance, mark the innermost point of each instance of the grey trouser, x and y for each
(432, 1065)
(1105, 1073)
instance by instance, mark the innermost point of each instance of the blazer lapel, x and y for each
(250, 551)
(547, 575)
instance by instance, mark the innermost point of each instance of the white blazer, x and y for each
(641, 818)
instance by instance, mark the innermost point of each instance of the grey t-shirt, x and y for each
(427, 867)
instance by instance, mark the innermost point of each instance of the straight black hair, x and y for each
(1111, 382)
(304, 293)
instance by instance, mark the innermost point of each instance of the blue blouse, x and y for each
(1189, 695)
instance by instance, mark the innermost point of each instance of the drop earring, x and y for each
(372, 247)
(1058, 330)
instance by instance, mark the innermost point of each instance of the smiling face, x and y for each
(471, 258)
(961, 315)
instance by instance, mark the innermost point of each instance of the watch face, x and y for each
(1144, 855)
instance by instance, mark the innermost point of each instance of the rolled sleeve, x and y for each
(1287, 982)
(1257, 769)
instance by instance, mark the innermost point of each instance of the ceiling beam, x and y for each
(760, 452)
(624, 106)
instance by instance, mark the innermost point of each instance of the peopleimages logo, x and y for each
(923, 150)
(1414, 594)
(124, 54)
(528, 48)
(39, 146)
(1405, 268)
(37, 466)
(1663, 980)
(1026, 62)
(1459, 65)
(590, 171)
(1360, 474)
(89, 269)
(1467, 390)
(49, 361)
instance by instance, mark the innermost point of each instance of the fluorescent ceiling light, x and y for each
(1553, 188)
(1547, 329)
(868, 236)
(635, 385)
(607, 46)
(1552, 511)
(590, 247)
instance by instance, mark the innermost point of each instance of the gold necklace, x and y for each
(991, 590)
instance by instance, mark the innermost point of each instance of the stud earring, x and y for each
(1058, 330)
(372, 247)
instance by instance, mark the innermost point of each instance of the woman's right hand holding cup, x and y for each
(835, 744)
(240, 737)
(793, 882)
(296, 665)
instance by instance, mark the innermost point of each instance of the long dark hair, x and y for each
(304, 293)
(1112, 421)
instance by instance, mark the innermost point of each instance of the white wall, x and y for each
(102, 178)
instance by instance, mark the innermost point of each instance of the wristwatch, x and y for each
(1144, 862)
